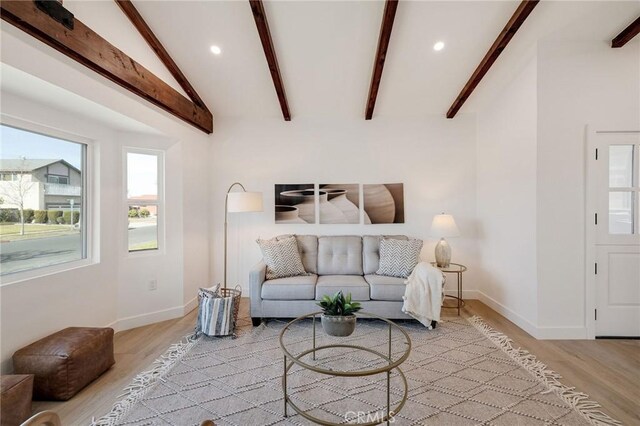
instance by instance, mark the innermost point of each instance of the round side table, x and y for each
(458, 269)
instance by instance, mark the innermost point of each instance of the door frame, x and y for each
(590, 227)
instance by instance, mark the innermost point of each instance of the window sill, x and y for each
(45, 271)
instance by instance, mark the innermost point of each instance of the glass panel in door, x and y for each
(621, 166)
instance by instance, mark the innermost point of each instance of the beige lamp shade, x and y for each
(238, 202)
(443, 226)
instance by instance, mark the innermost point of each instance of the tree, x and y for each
(15, 191)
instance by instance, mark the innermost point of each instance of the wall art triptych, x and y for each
(339, 203)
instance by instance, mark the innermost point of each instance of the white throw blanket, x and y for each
(423, 295)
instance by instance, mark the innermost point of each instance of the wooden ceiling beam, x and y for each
(627, 34)
(386, 26)
(259, 15)
(505, 36)
(85, 46)
(145, 31)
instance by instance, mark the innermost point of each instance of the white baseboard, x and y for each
(466, 294)
(535, 331)
(540, 333)
(190, 305)
(153, 317)
(518, 320)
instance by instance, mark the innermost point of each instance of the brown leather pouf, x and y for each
(15, 398)
(66, 361)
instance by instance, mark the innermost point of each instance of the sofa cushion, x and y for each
(386, 288)
(340, 255)
(331, 284)
(308, 248)
(302, 287)
(282, 257)
(398, 258)
(371, 251)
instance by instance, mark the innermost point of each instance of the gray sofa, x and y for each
(347, 263)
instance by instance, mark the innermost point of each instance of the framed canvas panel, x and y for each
(383, 203)
(339, 203)
(295, 203)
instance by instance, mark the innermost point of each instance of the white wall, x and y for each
(114, 290)
(165, 266)
(522, 166)
(34, 308)
(506, 185)
(197, 219)
(434, 157)
(579, 84)
(531, 179)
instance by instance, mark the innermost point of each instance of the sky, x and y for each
(142, 175)
(16, 143)
(142, 169)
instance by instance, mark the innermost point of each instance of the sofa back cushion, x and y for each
(308, 248)
(371, 251)
(340, 255)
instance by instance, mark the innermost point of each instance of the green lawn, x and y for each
(14, 228)
(150, 245)
(11, 231)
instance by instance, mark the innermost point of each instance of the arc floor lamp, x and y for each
(238, 202)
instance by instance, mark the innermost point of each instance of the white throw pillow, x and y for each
(398, 257)
(282, 258)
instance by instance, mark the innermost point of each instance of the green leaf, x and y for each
(338, 304)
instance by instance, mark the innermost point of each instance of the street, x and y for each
(38, 252)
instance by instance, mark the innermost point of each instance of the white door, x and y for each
(616, 187)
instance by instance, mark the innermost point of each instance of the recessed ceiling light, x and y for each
(438, 46)
(216, 50)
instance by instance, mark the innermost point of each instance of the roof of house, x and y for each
(30, 164)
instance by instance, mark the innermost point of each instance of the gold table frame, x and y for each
(393, 365)
(457, 269)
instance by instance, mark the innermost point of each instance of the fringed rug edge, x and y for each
(579, 401)
(141, 383)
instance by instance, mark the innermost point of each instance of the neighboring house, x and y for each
(47, 183)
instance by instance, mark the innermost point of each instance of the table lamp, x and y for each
(443, 226)
(238, 202)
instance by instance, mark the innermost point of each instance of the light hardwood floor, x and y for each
(607, 370)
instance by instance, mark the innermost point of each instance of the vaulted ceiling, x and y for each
(326, 49)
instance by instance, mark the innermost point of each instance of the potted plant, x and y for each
(338, 314)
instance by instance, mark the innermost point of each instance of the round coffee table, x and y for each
(290, 360)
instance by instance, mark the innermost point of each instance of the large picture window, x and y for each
(42, 221)
(144, 199)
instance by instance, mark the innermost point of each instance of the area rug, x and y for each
(461, 373)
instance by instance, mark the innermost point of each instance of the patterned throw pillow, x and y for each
(398, 257)
(212, 292)
(282, 258)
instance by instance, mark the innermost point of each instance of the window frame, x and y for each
(57, 178)
(159, 202)
(90, 234)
